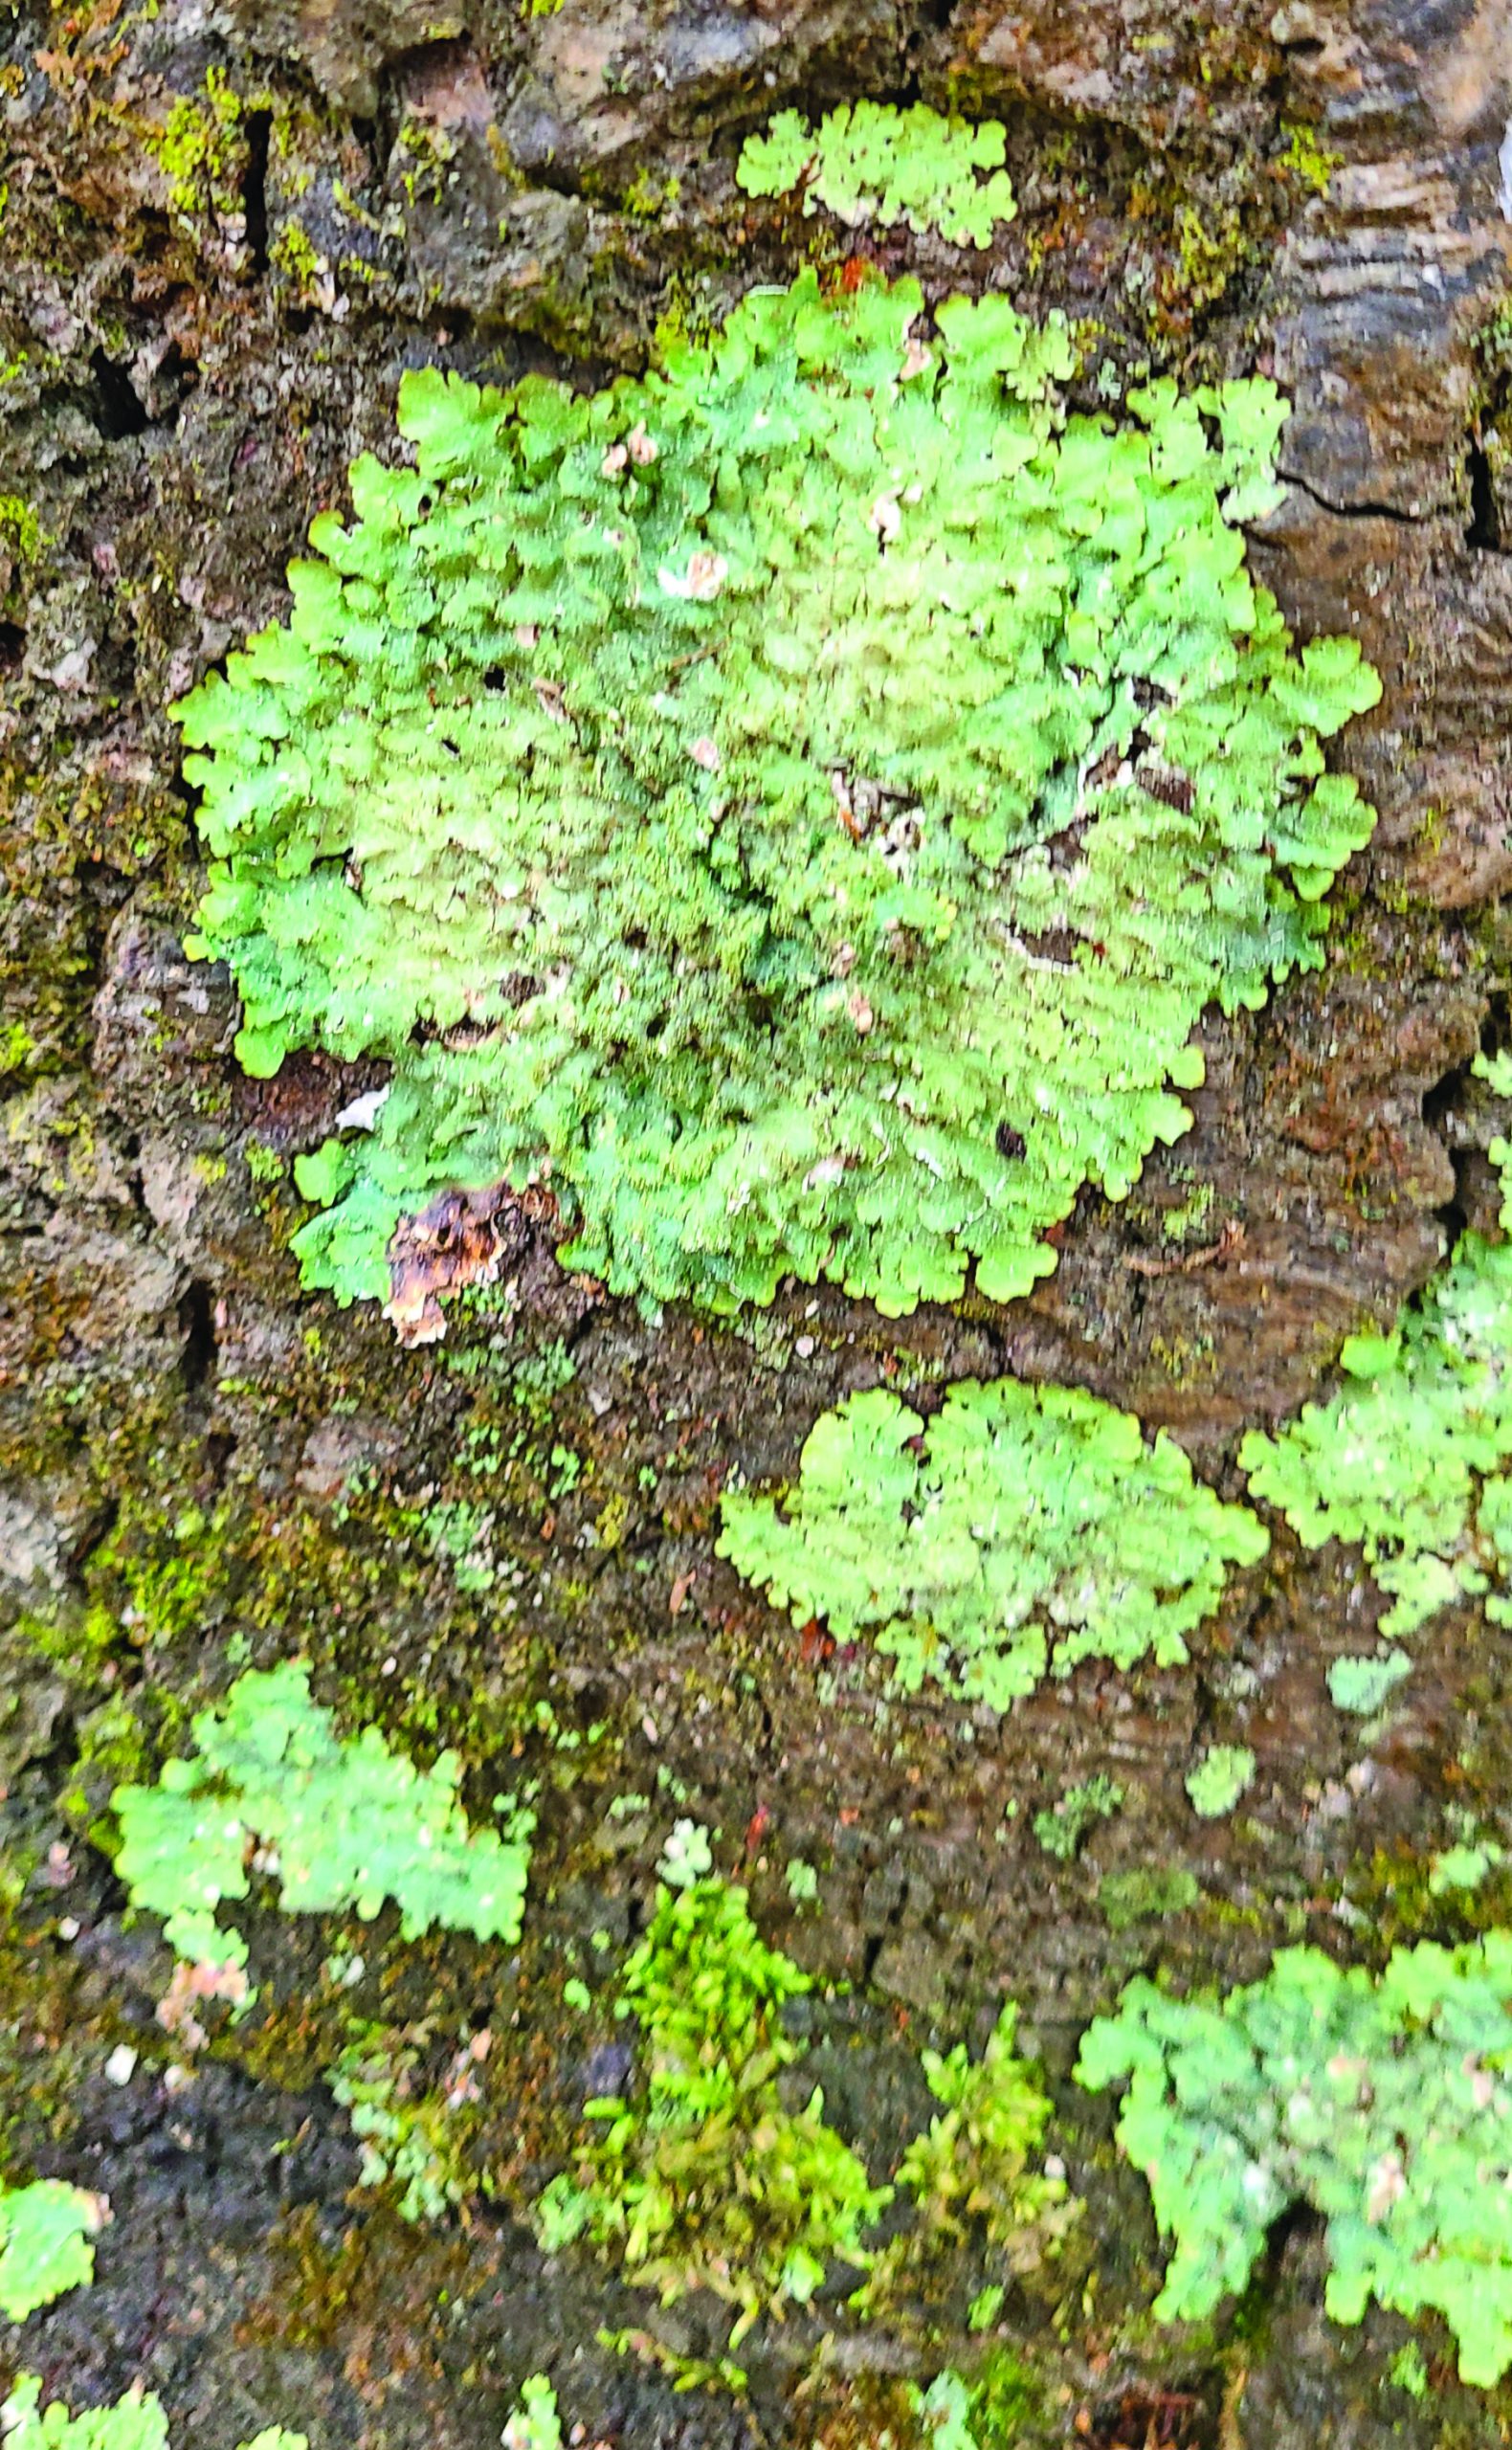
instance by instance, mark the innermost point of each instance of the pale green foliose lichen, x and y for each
(945, 2413)
(1225, 1772)
(342, 1823)
(795, 806)
(1380, 2101)
(46, 2244)
(536, 2424)
(872, 162)
(134, 2422)
(1360, 1686)
(1405, 1458)
(1023, 1529)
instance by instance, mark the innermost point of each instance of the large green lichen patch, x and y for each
(795, 807)
(344, 1824)
(1026, 1529)
(1383, 2103)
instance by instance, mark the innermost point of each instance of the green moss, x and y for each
(976, 2176)
(706, 2180)
(1007, 2398)
(17, 1046)
(1145, 1894)
(295, 256)
(1187, 1220)
(869, 162)
(1307, 158)
(201, 149)
(1380, 2101)
(165, 1567)
(732, 797)
(347, 1823)
(21, 529)
(1407, 2370)
(647, 197)
(459, 1531)
(1024, 1529)
(265, 1164)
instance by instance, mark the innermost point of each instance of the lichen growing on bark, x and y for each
(870, 162)
(343, 1823)
(1406, 1458)
(1379, 2100)
(1023, 1529)
(796, 806)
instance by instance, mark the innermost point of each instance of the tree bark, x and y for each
(226, 232)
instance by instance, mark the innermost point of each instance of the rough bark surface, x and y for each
(199, 1465)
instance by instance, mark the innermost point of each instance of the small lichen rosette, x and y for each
(1409, 1458)
(796, 805)
(870, 162)
(1025, 1530)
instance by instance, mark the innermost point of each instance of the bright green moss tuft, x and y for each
(706, 2180)
(974, 2162)
(201, 148)
(1381, 2102)
(797, 805)
(345, 1824)
(870, 162)
(46, 2248)
(1031, 1528)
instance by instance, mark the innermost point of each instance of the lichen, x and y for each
(1023, 1529)
(1380, 2101)
(535, 2424)
(870, 162)
(732, 799)
(343, 1823)
(1225, 1772)
(1405, 1458)
(135, 2422)
(46, 2244)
